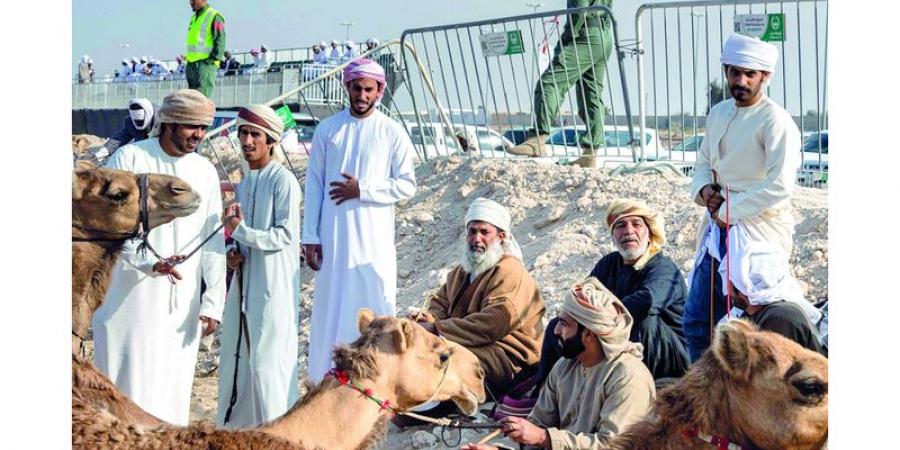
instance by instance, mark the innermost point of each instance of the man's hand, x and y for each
(523, 432)
(233, 259)
(711, 197)
(167, 267)
(232, 217)
(313, 254)
(421, 317)
(208, 325)
(346, 190)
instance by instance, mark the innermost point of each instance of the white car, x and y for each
(814, 169)
(436, 140)
(687, 150)
(617, 150)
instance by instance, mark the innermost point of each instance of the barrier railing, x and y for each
(680, 76)
(487, 74)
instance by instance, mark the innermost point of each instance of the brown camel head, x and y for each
(105, 205)
(424, 366)
(108, 200)
(757, 388)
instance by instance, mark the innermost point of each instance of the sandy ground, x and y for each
(557, 216)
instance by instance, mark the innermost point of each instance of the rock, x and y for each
(423, 217)
(423, 439)
(454, 160)
(466, 189)
(568, 182)
(403, 273)
(590, 184)
(555, 216)
(584, 202)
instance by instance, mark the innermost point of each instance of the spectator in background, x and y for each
(257, 64)
(371, 43)
(180, 69)
(335, 55)
(350, 50)
(319, 56)
(264, 61)
(231, 64)
(85, 70)
(124, 71)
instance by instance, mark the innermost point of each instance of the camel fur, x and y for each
(755, 388)
(105, 205)
(397, 359)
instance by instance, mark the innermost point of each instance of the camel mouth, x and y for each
(468, 402)
(180, 210)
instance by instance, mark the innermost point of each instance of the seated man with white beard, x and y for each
(489, 303)
(648, 283)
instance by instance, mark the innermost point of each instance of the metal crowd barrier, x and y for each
(485, 74)
(680, 76)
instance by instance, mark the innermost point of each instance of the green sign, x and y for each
(502, 43)
(766, 27)
(287, 117)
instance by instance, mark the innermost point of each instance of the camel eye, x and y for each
(812, 390)
(445, 357)
(118, 196)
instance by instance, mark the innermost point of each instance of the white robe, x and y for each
(147, 332)
(756, 153)
(269, 240)
(359, 267)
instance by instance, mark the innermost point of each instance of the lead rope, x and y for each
(237, 350)
(728, 252)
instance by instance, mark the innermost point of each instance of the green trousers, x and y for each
(201, 75)
(583, 61)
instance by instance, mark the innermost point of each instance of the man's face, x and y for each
(197, 4)
(254, 146)
(227, 54)
(479, 235)
(363, 94)
(185, 138)
(745, 84)
(631, 236)
(568, 334)
(333, 45)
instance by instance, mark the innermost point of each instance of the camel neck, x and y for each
(336, 418)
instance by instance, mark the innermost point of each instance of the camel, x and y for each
(394, 360)
(105, 210)
(754, 388)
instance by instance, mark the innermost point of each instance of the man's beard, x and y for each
(476, 263)
(633, 253)
(572, 347)
(361, 112)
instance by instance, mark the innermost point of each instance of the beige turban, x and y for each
(592, 305)
(185, 106)
(262, 117)
(486, 210)
(749, 53)
(621, 208)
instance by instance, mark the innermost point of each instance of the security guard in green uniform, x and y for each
(205, 47)
(580, 56)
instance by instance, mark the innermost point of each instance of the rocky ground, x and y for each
(558, 216)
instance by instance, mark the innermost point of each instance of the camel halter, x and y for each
(721, 443)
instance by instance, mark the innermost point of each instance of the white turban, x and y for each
(749, 53)
(487, 210)
(760, 271)
(145, 113)
(593, 306)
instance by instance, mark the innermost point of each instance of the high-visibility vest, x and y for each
(199, 37)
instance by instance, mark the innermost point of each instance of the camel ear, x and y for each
(402, 335)
(364, 317)
(734, 348)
